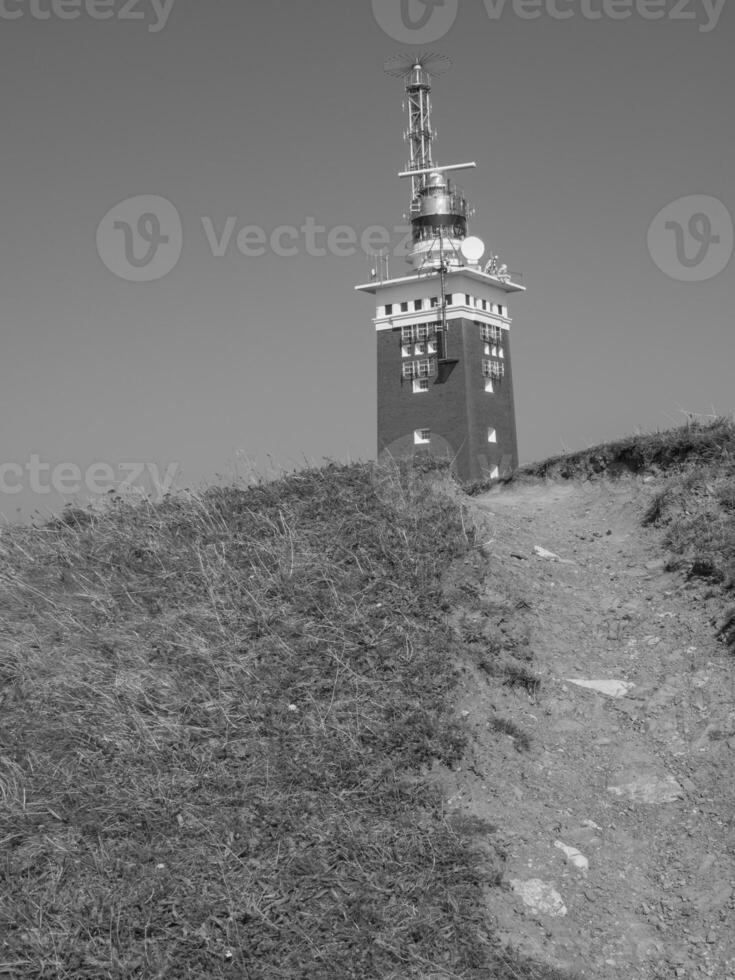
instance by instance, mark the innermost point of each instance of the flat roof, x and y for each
(505, 284)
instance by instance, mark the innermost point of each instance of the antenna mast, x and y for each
(437, 210)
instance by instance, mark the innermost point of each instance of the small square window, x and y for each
(486, 350)
(489, 384)
(492, 435)
(405, 351)
(388, 309)
(420, 348)
(417, 304)
(434, 301)
(421, 437)
(420, 384)
(404, 307)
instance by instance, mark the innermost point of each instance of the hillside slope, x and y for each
(324, 727)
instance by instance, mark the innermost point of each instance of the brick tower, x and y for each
(445, 384)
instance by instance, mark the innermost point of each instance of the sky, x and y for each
(192, 131)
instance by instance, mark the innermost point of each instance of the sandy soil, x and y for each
(642, 785)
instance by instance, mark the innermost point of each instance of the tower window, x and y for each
(404, 307)
(417, 333)
(493, 369)
(421, 437)
(491, 333)
(417, 369)
(489, 385)
(388, 309)
(405, 351)
(420, 384)
(417, 304)
(492, 435)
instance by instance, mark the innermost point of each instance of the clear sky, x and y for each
(277, 112)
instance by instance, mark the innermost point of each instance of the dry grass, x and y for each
(672, 450)
(214, 712)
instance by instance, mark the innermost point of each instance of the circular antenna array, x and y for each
(402, 64)
(472, 249)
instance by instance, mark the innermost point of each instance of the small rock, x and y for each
(543, 553)
(574, 856)
(650, 789)
(613, 689)
(539, 896)
(656, 564)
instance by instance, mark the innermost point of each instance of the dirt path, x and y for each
(641, 785)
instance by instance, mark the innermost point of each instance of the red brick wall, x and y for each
(456, 407)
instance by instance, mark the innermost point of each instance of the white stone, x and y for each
(574, 856)
(539, 896)
(613, 689)
(543, 553)
(650, 789)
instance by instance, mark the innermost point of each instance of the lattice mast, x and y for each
(438, 213)
(420, 133)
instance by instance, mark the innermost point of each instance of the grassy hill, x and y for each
(218, 713)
